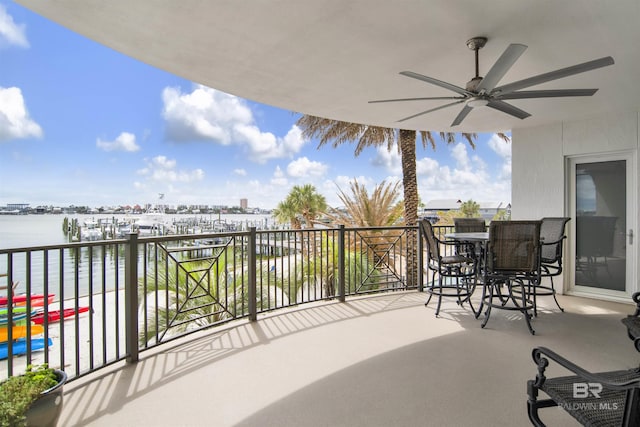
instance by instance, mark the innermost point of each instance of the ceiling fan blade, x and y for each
(553, 75)
(461, 115)
(437, 82)
(500, 68)
(547, 93)
(431, 110)
(417, 99)
(508, 108)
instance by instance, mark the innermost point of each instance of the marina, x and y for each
(19, 231)
(92, 227)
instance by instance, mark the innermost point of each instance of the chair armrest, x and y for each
(541, 356)
(552, 242)
(636, 298)
(450, 242)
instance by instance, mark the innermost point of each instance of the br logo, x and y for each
(584, 390)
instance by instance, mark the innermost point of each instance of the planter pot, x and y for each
(45, 411)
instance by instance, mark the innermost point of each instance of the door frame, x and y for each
(631, 275)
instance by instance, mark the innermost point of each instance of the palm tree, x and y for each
(309, 203)
(338, 132)
(380, 209)
(362, 210)
(470, 209)
(286, 212)
(302, 201)
(179, 295)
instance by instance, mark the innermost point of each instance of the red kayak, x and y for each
(55, 315)
(37, 300)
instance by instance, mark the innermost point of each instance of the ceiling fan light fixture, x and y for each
(477, 102)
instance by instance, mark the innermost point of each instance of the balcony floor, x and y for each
(382, 360)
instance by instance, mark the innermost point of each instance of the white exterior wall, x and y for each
(538, 186)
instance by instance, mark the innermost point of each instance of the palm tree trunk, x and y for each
(407, 143)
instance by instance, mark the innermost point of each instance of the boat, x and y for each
(55, 315)
(4, 311)
(153, 223)
(17, 317)
(17, 314)
(91, 230)
(19, 347)
(37, 300)
(19, 332)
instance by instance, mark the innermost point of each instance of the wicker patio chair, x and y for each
(594, 399)
(512, 267)
(468, 225)
(632, 322)
(456, 273)
(552, 236)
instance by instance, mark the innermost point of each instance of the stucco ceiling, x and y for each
(330, 57)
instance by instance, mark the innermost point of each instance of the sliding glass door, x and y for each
(601, 206)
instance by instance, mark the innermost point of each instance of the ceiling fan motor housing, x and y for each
(472, 84)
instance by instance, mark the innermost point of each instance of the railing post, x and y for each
(131, 297)
(420, 260)
(341, 276)
(251, 261)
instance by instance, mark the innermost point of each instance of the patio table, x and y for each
(480, 240)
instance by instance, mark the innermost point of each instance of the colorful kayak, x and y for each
(19, 347)
(18, 313)
(55, 315)
(19, 332)
(16, 318)
(37, 300)
(4, 311)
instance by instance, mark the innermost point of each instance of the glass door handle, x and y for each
(630, 236)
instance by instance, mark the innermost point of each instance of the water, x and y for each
(22, 231)
(19, 231)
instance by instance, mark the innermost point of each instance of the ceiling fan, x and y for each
(482, 91)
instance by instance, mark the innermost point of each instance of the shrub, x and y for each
(19, 392)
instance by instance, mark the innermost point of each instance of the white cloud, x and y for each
(240, 172)
(389, 159)
(124, 142)
(426, 166)
(278, 178)
(161, 169)
(468, 178)
(501, 147)
(461, 156)
(210, 115)
(11, 34)
(303, 167)
(15, 122)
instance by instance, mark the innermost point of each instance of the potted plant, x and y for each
(33, 398)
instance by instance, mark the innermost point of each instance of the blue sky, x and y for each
(82, 124)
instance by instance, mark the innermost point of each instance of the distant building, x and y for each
(487, 209)
(244, 203)
(15, 208)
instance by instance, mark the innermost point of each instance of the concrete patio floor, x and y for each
(382, 360)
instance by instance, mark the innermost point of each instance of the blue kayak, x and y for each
(20, 346)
